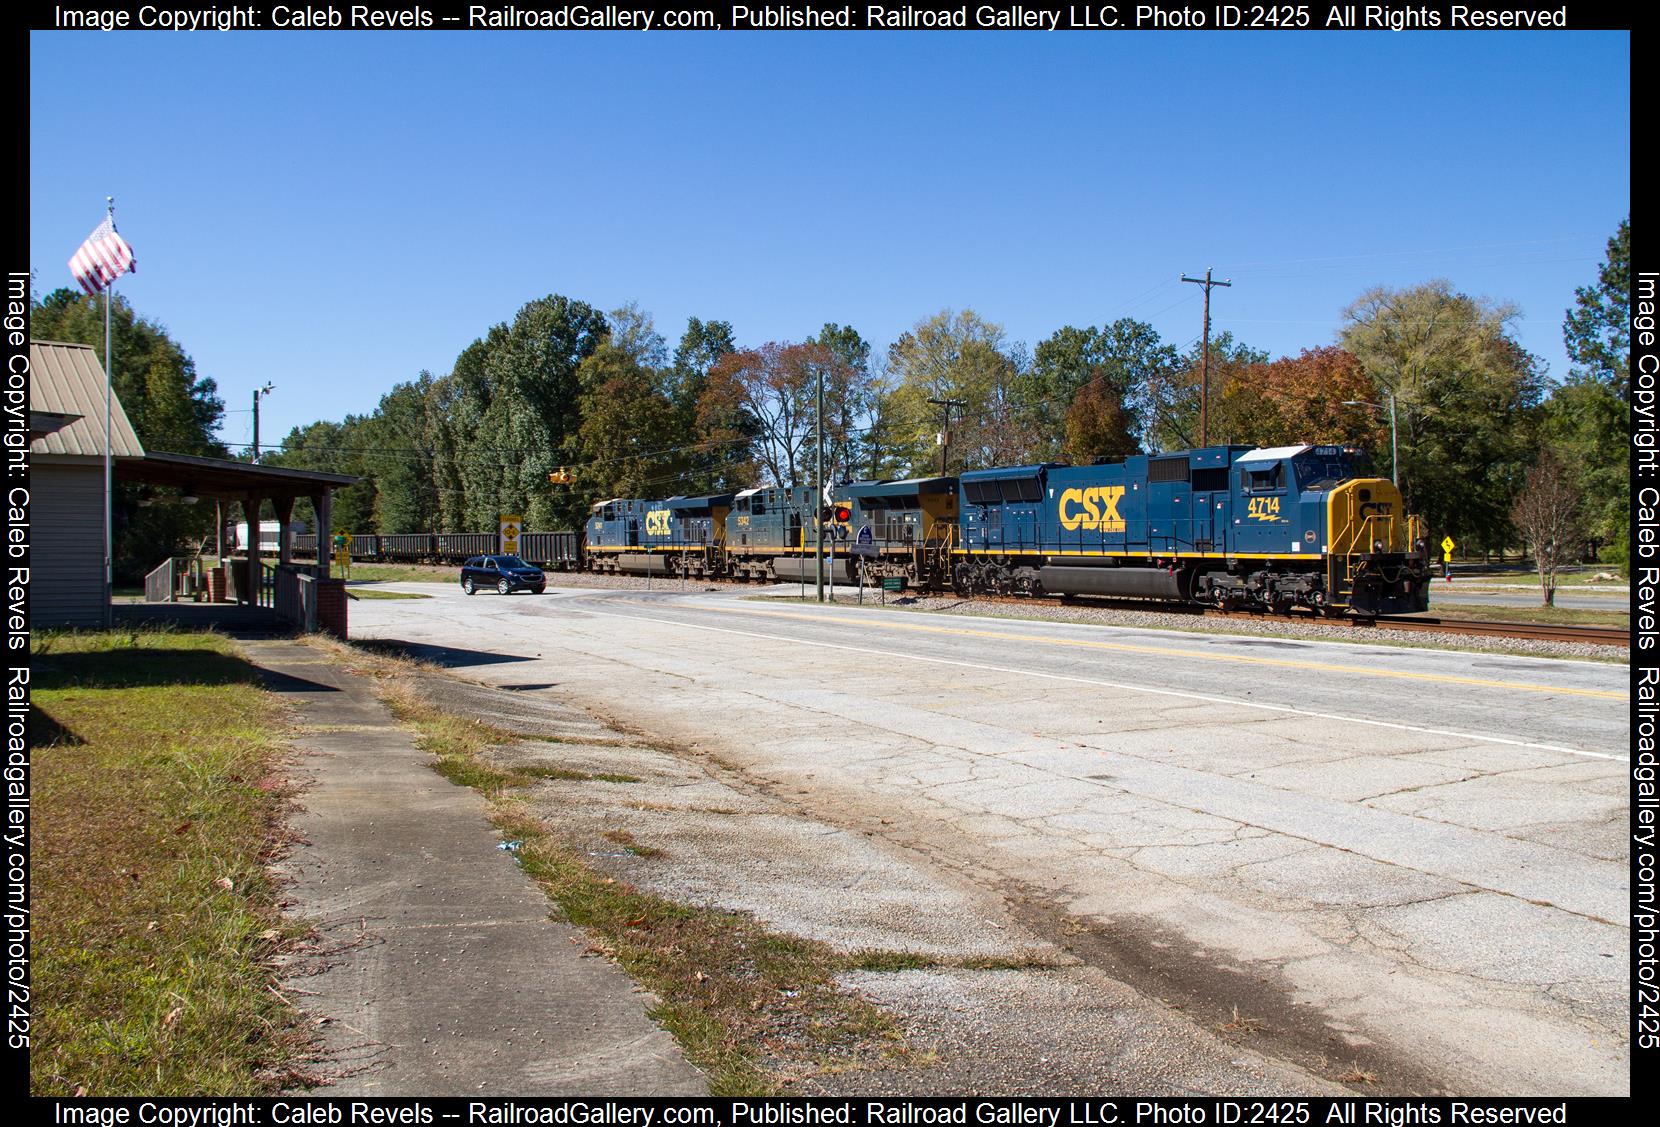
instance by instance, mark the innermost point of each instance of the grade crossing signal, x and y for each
(562, 476)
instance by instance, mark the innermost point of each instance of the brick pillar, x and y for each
(331, 607)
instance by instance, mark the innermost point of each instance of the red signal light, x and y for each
(843, 513)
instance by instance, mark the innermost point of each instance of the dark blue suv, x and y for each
(505, 573)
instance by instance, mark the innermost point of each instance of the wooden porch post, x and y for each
(323, 505)
(250, 584)
(285, 512)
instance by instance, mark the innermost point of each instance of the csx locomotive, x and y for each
(1227, 526)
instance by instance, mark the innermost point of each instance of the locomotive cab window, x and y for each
(1269, 479)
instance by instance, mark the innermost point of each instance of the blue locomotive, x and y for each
(1228, 526)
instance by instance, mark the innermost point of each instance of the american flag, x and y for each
(103, 258)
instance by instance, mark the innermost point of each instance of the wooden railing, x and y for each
(160, 585)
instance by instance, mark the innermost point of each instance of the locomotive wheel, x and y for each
(468, 586)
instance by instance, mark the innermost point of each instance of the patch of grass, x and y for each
(156, 809)
(369, 593)
(403, 573)
(890, 962)
(1555, 616)
(1584, 575)
(626, 840)
(568, 775)
(740, 998)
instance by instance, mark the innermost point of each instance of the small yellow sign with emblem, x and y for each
(1447, 545)
(510, 526)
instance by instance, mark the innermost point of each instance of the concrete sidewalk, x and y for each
(437, 969)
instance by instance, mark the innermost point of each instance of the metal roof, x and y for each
(707, 501)
(1270, 454)
(218, 477)
(910, 487)
(68, 379)
(1003, 472)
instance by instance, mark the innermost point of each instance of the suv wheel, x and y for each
(467, 585)
(503, 587)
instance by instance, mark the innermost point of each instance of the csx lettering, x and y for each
(657, 522)
(1096, 509)
(1264, 508)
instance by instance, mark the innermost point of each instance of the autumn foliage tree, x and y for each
(1301, 399)
(1098, 424)
(1546, 512)
(775, 386)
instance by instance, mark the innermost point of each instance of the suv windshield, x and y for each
(510, 561)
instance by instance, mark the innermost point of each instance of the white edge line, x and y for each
(1178, 693)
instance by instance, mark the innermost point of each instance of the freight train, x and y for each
(1276, 528)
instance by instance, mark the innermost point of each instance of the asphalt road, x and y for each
(1420, 852)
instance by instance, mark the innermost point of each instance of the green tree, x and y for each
(1174, 395)
(523, 381)
(1115, 369)
(962, 357)
(1587, 425)
(173, 409)
(330, 447)
(849, 397)
(1597, 329)
(1466, 395)
(404, 455)
(635, 332)
(626, 443)
(716, 429)
(1587, 420)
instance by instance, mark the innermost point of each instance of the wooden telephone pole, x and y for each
(1204, 386)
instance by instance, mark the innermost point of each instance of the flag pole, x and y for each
(109, 459)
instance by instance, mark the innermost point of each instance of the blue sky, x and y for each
(334, 212)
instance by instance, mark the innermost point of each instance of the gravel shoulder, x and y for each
(986, 1002)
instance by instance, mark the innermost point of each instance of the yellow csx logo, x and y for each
(657, 522)
(1095, 508)
(1264, 508)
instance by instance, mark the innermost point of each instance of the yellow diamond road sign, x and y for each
(510, 533)
(1447, 544)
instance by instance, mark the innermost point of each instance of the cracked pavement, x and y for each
(1416, 853)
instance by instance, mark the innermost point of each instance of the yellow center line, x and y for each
(1160, 651)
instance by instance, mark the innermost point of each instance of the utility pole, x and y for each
(259, 391)
(818, 491)
(1204, 386)
(945, 433)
